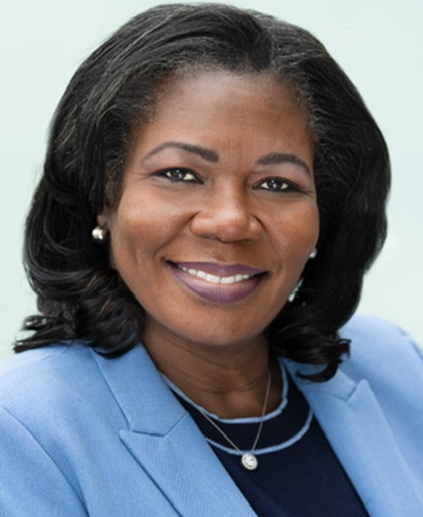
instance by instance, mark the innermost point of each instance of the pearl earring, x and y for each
(100, 234)
(313, 253)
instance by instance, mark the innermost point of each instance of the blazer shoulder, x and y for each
(24, 366)
(365, 325)
(47, 377)
(379, 347)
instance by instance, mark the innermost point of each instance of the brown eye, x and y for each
(178, 175)
(276, 185)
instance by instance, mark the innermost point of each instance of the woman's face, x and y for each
(217, 214)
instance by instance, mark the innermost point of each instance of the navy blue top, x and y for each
(298, 473)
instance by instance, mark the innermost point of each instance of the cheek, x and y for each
(130, 232)
(297, 232)
(140, 228)
(309, 227)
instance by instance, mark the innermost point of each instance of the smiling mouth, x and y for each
(217, 283)
(214, 279)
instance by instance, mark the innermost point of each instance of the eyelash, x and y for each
(282, 185)
(178, 175)
(171, 175)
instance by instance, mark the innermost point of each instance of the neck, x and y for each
(229, 381)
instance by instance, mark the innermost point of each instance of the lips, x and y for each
(218, 283)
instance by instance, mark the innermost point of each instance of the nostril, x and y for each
(226, 225)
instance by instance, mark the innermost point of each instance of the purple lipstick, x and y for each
(218, 283)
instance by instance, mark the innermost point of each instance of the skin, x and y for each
(238, 200)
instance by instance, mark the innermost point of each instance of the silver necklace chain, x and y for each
(248, 459)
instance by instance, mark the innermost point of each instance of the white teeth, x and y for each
(213, 279)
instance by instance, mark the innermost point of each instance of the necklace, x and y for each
(248, 459)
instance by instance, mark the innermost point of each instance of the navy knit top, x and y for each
(298, 473)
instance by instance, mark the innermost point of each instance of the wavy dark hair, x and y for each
(81, 297)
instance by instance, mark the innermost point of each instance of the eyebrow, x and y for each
(277, 158)
(206, 154)
(212, 156)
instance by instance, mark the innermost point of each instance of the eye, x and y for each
(277, 184)
(179, 175)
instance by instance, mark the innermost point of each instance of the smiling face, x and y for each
(217, 214)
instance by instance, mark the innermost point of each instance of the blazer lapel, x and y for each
(171, 450)
(361, 437)
(187, 472)
(166, 443)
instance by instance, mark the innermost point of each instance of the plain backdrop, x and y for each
(379, 43)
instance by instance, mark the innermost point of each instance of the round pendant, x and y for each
(249, 461)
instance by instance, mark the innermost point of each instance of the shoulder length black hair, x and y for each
(80, 296)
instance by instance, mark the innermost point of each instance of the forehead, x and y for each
(202, 102)
(215, 84)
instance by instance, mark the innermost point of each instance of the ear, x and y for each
(105, 217)
(102, 219)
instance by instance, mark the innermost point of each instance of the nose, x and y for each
(227, 216)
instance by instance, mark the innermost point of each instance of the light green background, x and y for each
(378, 42)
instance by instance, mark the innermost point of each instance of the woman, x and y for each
(213, 192)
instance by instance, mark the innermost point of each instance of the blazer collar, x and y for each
(359, 433)
(165, 441)
(167, 444)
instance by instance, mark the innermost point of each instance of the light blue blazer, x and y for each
(81, 435)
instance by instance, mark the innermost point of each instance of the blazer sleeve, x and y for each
(30, 482)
